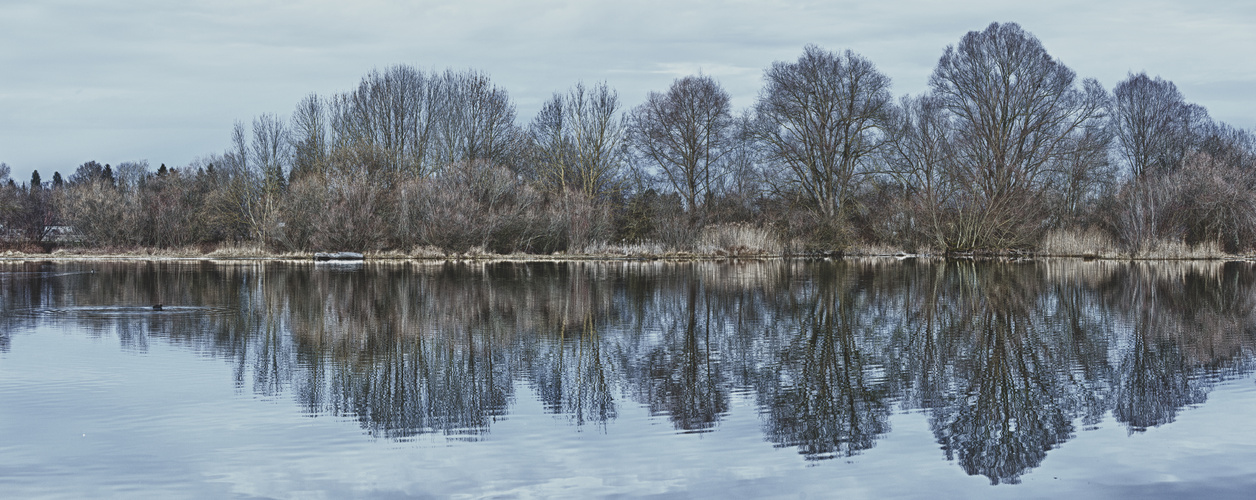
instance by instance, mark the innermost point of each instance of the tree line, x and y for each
(1006, 148)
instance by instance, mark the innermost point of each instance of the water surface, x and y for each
(638, 379)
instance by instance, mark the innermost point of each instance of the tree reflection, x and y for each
(422, 385)
(1185, 321)
(574, 376)
(1007, 358)
(1154, 384)
(374, 353)
(819, 395)
(680, 376)
(1003, 417)
(1010, 387)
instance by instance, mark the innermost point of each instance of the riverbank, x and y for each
(1056, 247)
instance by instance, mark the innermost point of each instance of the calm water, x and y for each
(860, 379)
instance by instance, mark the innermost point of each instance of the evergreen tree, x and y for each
(35, 181)
(56, 180)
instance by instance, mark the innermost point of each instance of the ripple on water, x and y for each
(65, 312)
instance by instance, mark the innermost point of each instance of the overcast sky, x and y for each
(164, 80)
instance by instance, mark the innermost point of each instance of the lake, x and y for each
(764, 379)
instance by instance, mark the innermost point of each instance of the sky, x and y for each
(164, 80)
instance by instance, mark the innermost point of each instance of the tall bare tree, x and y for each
(1015, 111)
(405, 120)
(476, 120)
(822, 119)
(131, 173)
(245, 199)
(1155, 127)
(309, 136)
(578, 141)
(918, 159)
(1085, 173)
(387, 122)
(686, 132)
(743, 179)
(237, 158)
(550, 144)
(271, 149)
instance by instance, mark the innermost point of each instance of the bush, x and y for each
(1205, 201)
(476, 205)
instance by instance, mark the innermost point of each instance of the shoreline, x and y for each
(255, 254)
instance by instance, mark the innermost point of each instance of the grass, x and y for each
(644, 249)
(718, 241)
(881, 250)
(738, 240)
(1177, 250)
(225, 251)
(239, 252)
(1090, 243)
(714, 242)
(1093, 243)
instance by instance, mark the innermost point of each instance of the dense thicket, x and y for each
(1006, 148)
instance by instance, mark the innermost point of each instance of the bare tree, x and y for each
(686, 132)
(235, 203)
(918, 159)
(578, 141)
(743, 161)
(101, 214)
(1155, 127)
(822, 119)
(550, 144)
(1015, 111)
(405, 120)
(238, 157)
(271, 149)
(1084, 173)
(131, 173)
(309, 136)
(241, 202)
(1209, 197)
(388, 119)
(476, 120)
(1232, 146)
